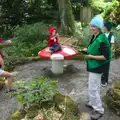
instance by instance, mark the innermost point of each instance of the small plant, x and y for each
(35, 91)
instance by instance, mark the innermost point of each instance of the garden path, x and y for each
(72, 82)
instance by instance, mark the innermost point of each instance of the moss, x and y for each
(62, 105)
(18, 115)
(117, 85)
(32, 111)
(112, 98)
(67, 106)
(47, 104)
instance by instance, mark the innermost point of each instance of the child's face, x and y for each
(105, 29)
(94, 29)
(54, 32)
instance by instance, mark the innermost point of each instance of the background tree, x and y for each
(112, 12)
(115, 14)
(19, 12)
(66, 16)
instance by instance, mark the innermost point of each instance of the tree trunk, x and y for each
(66, 16)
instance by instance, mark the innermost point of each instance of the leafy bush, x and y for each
(111, 11)
(116, 32)
(78, 34)
(20, 49)
(98, 5)
(82, 34)
(35, 91)
(31, 33)
(6, 32)
(28, 40)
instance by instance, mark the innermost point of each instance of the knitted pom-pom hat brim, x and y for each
(97, 21)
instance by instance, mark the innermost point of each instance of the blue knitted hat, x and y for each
(97, 21)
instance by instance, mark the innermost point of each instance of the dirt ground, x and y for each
(72, 82)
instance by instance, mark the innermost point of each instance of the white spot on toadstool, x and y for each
(69, 51)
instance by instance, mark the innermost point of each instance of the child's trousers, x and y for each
(55, 48)
(94, 81)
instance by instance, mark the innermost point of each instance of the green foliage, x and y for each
(13, 12)
(112, 98)
(20, 12)
(116, 32)
(97, 5)
(18, 115)
(82, 34)
(35, 91)
(111, 12)
(70, 17)
(31, 33)
(20, 49)
(6, 32)
(29, 40)
(66, 17)
(115, 14)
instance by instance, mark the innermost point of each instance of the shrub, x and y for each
(111, 12)
(28, 40)
(31, 33)
(35, 91)
(20, 49)
(116, 32)
(6, 32)
(98, 6)
(82, 34)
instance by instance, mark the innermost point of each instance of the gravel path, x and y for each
(73, 83)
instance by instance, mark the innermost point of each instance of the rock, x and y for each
(18, 115)
(112, 98)
(26, 114)
(2, 82)
(63, 105)
(32, 111)
(67, 106)
(85, 116)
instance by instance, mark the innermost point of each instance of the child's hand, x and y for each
(89, 56)
(54, 39)
(85, 49)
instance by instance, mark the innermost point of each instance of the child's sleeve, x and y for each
(112, 39)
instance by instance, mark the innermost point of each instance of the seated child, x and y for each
(53, 40)
(7, 75)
